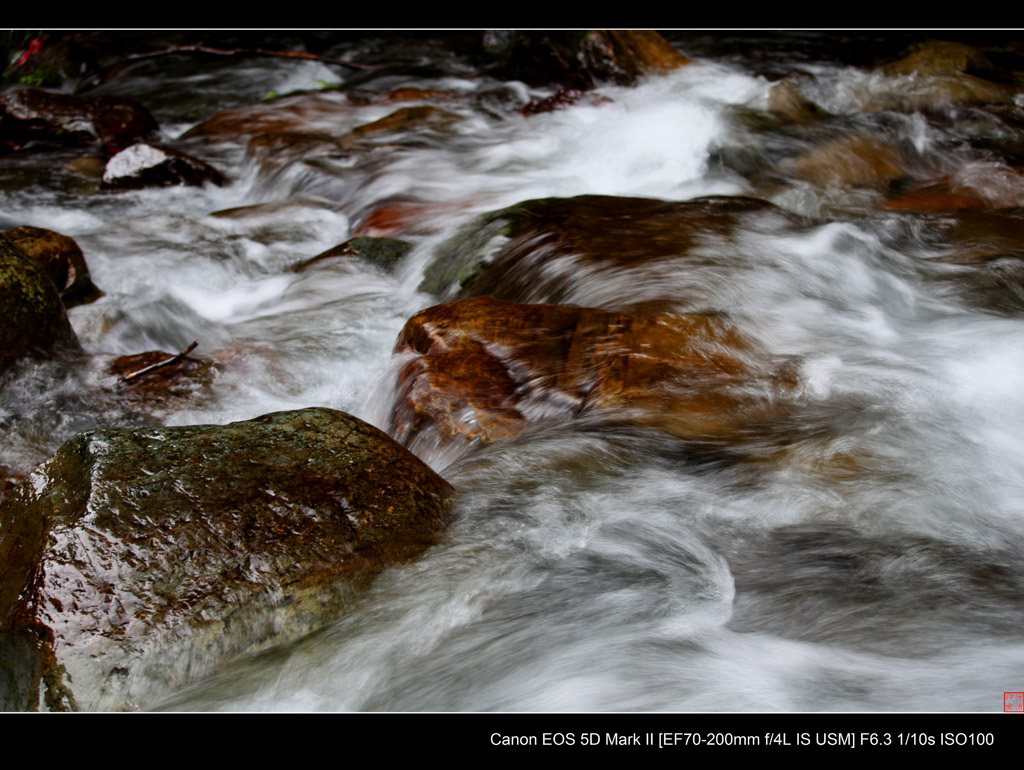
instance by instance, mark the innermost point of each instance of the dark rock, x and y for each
(534, 251)
(584, 59)
(940, 57)
(147, 165)
(564, 97)
(31, 115)
(902, 595)
(982, 256)
(62, 259)
(384, 253)
(487, 370)
(35, 322)
(135, 561)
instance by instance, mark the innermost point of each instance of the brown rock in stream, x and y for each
(541, 250)
(486, 370)
(32, 115)
(136, 561)
(585, 58)
(855, 160)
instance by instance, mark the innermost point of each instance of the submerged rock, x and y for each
(400, 126)
(855, 160)
(32, 115)
(486, 370)
(787, 102)
(35, 322)
(136, 561)
(62, 259)
(384, 253)
(539, 250)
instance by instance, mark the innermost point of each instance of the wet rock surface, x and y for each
(62, 259)
(536, 251)
(156, 376)
(137, 560)
(35, 322)
(584, 59)
(487, 370)
(31, 115)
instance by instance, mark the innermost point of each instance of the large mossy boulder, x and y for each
(34, 320)
(135, 561)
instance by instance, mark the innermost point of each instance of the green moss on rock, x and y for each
(138, 560)
(35, 322)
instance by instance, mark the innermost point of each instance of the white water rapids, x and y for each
(590, 569)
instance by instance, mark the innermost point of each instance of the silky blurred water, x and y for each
(590, 566)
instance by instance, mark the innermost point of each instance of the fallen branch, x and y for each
(160, 364)
(249, 52)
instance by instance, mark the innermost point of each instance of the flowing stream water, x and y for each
(588, 567)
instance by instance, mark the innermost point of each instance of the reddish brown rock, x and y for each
(62, 259)
(307, 113)
(31, 115)
(932, 200)
(977, 236)
(856, 160)
(395, 126)
(177, 379)
(584, 59)
(983, 259)
(400, 218)
(487, 370)
(412, 94)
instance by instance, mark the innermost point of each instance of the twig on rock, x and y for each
(160, 364)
